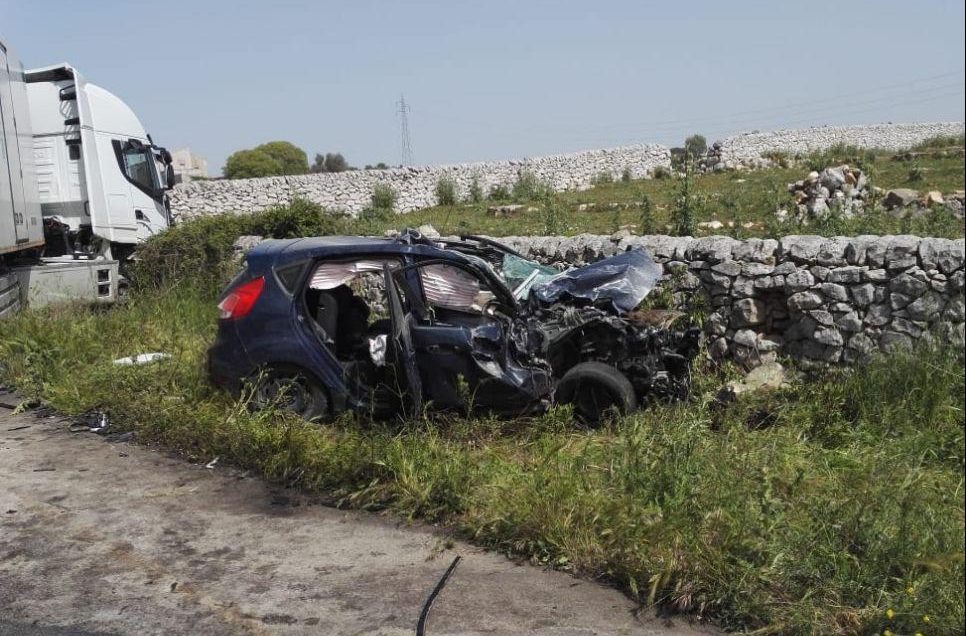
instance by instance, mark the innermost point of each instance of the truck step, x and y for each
(9, 296)
(73, 121)
(68, 93)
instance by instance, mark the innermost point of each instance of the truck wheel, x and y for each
(291, 389)
(596, 390)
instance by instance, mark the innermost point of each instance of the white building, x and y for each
(187, 165)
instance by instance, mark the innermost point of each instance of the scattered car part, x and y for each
(91, 422)
(765, 377)
(141, 358)
(424, 612)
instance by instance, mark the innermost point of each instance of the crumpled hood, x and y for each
(620, 282)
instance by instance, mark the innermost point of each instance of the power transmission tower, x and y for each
(406, 145)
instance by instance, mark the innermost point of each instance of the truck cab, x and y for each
(81, 183)
(101, 180)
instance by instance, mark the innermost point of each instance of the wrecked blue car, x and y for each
(387, 326)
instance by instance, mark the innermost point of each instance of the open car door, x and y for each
(401, 354)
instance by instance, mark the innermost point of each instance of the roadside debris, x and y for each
(92, 422)
(766, 377)
(142, 358)
(424, 612)
(212, 463)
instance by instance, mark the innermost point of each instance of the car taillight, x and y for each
(241, 299)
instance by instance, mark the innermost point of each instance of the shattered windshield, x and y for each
(521, 275)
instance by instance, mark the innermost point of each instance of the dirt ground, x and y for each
(113, 538)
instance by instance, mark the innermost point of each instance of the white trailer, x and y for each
(81, 183)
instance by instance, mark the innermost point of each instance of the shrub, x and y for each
(499, 193)
(915, 174)
(476, 191)
(446, 191)
(940, 142)
(678, 158)
(198, 251)
(626, 175)
(383, 197)
(778, 157)
(645, 222)
(602, 178)
(660, 172)
(551, 215)
(696, 145)
(529, 187)
(838, 154)
(684, 212)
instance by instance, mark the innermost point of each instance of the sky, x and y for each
(498, 79)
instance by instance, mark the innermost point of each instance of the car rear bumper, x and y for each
(227, 363)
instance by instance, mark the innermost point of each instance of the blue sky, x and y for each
(496, 79)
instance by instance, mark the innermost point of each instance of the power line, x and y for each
(406, 147)
(884, 95)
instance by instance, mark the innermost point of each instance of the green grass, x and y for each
(810, 510)
(736, 197)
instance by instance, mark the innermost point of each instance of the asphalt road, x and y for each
(114, 538)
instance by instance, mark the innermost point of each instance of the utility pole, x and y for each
(406, 154)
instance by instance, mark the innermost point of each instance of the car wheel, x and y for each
(596, 390)
(292, 390)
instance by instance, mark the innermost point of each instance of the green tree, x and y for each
(290, 157)
(246, 164)
(332, 162)
(696, 146)
(318, 164)
(335, 162)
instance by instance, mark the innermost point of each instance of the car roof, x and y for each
(280, 251)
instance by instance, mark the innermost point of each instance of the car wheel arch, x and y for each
(294, 370)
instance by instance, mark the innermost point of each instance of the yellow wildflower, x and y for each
(890, 613)
(925, 619)
(887, 632)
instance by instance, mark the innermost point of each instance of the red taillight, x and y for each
(241, 299)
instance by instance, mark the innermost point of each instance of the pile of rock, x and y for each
(714, 161)
(902, 202)
(840, 189)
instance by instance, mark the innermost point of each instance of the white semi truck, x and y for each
(81, 183)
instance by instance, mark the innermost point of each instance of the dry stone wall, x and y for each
(809, 297)
(351, 191)
(747, 149)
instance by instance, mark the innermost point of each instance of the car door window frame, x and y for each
(414, 281)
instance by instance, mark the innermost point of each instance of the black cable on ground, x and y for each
(424, 613)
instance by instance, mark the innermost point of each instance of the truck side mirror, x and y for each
(169, 175)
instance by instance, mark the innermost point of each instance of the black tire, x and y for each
(291, 389)
(596, 390)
